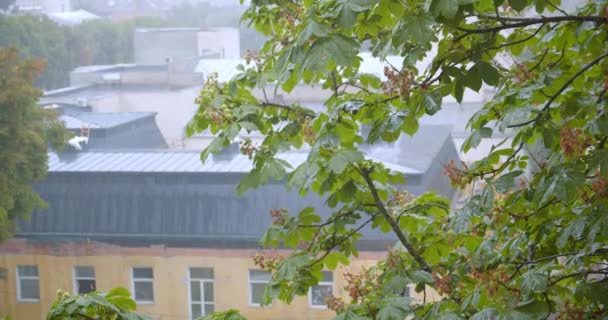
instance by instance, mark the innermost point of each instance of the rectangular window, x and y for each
(84, 280)
(143, 284)
(201, 292)
(27, 284)
(258, 280)
(322, 291)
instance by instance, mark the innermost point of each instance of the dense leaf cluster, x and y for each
(532, 243)
(114, 305)
(26, 131)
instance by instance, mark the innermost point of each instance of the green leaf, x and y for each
(395, 308)
(506, 182)
(421, 276)
(486, 314)
(489, 73)
(348, 10)
(332, 260)
(341, 158)
(445, 8)
(349, 315)
(533, 282)
(518, 5)
(410, 125)
(431, 102)
(249, 181)
(272, 237)
(337, 48)
(573, 230)
(288, 268)
(473, 78)
(118, 292)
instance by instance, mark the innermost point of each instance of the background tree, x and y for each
(6, 4)
(25, 132)
(525, 247)
(38, 37)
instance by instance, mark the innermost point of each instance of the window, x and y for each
(201, 292)
(27, 284)
(258, 280)
(143, 284)
(84, 280)
(319, 293)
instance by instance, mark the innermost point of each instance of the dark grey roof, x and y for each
(170, 197)
(172, 209)
(115, 130)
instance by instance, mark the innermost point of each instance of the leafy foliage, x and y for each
(115, 305)
(530, 244)
(25, 133)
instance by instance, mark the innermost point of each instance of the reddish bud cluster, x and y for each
(457, 176)
(361, 284)
(279, 216)
(394, 259)
(600, 187)
(492, 279)
(335, 304)
(442, 284)
(266, 262)
(572, 312)
(573, 142)
(247, 148)
(398, 82)
(522, 74)
(214, 115)
(402, 198)
(308, 132)
(252, 56)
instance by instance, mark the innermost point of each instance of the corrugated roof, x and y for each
(171, 161)
(75, 119)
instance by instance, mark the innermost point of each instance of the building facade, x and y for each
(166, 282)
(173, 231)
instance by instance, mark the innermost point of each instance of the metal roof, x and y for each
(170, 161)
(75, 119)
(172, 198)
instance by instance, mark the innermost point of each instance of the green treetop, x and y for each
(26, 130)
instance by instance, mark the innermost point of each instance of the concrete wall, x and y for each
(170, 266)
(225, 42)
(153, 46)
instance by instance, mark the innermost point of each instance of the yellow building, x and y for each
(227, 279)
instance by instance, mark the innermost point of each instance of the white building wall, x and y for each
(223, 43)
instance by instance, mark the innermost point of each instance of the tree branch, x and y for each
(506, 44)
(560, 91)
(577, 274)
(348, 235)
(382, 209)
(523, 22)
(304, 112)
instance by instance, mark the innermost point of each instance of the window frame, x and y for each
(250, 287)
(75, 279)
(20, 277)
(201, 282)
(151, 280)
(321, 283)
